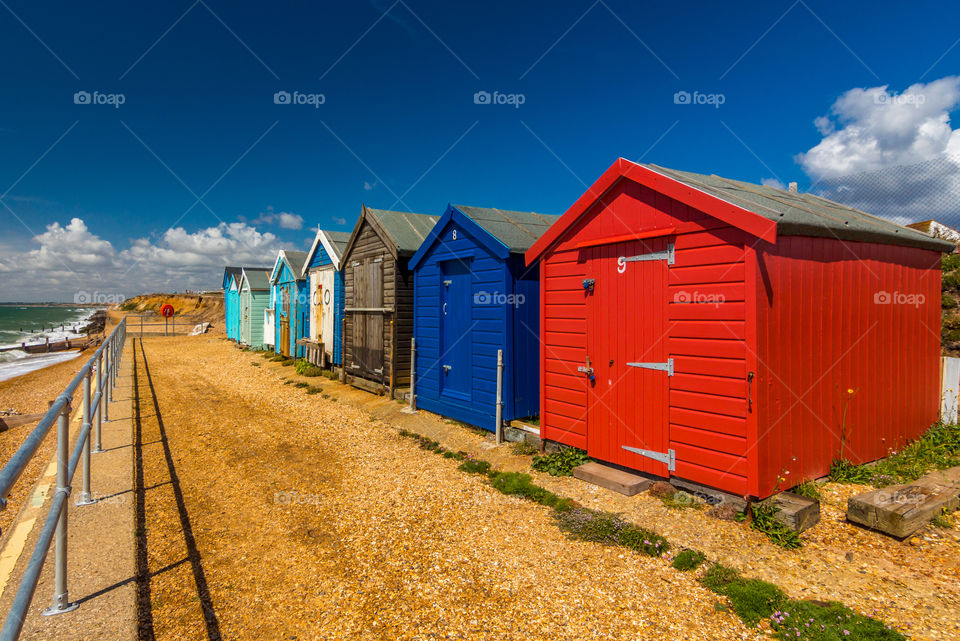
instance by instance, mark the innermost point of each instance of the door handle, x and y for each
(444, 309)
(749, 391)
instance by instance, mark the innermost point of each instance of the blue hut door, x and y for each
(455, 336)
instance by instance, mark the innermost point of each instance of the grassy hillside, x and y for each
(209, 306)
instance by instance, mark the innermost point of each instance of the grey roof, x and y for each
(407, 230)
(799, 214)
(233, 271)
(339, 240)
(259, 278)
(296, 261)
(518, 230)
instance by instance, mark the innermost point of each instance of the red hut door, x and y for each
(627, 402)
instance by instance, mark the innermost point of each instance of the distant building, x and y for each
(937, 230)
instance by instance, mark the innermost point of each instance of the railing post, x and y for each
(61, 601)
(86, 498)
(105, 399)
(98, 414)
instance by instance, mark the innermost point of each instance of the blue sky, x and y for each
(198, 163)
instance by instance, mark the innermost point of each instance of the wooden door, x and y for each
(368, 314)
(324, 309)
(627, 402)
(285, 323)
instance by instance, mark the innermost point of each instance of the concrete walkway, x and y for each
(101, 559)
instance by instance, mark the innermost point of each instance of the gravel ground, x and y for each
(912, 586)
(270, 513)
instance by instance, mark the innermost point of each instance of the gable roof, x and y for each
(257, 277)
(762, 211)
(293, 259)
(402, 232)
(502, 231)
(228, 274)
(333, 242)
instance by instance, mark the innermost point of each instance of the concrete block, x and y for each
(612, 478)
(710, 495)
(513, 435)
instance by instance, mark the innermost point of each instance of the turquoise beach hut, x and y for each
(290, 301)
(231, 276)
(324, 276)
(254, 288)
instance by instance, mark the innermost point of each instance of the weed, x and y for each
(688, 560)
(764, 520)
(943, 520)
(828, 621)
(255, 364)
(301, 385)
(326, 396)
(519, 484)
(680, 500)
(475, 466)
(937, 449)
(530, 420)
(287, 362)
(560, 463)
(306, 368)
(313, 390)
(609, 529)
(752, 600)
(523, 449)
(808, 489)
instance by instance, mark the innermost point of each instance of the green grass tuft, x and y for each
(560, 463)
(688, 560)
(937, 449)
(764, 520)
(609, 529)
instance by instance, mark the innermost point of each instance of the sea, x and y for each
(33, 325)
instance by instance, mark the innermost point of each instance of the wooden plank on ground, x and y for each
(611, 478)
(901, 510)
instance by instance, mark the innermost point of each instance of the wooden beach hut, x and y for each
(254, 297)
(289, 300)
(322, 270)
(475, 297)
(733, 335)
(231, 323)
(378, 297)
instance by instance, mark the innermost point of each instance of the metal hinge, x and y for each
(666, 255)
(666, 367)
(669, 457)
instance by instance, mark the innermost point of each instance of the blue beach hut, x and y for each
(289, 298)
(231, 279)
(473, 296)
(324, 276)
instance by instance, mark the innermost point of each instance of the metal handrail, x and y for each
(103, 365)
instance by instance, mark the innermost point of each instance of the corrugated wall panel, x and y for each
(836, 316)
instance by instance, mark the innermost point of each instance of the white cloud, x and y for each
(773, 182)
(285, 220)
(72, 258)
(892, 154)
(368, 186)
(340, 220)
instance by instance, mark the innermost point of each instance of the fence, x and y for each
(155, 324)
(102, 365)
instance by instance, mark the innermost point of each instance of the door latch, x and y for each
(588, 284)
(447, 368)
(588, 370)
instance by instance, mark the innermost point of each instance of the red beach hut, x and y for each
(733, 335)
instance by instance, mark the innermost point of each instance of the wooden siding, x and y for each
(706, 333)
(835, 316)
(485, 329)
(368, 247)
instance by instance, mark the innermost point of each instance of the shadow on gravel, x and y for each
(145, 631)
